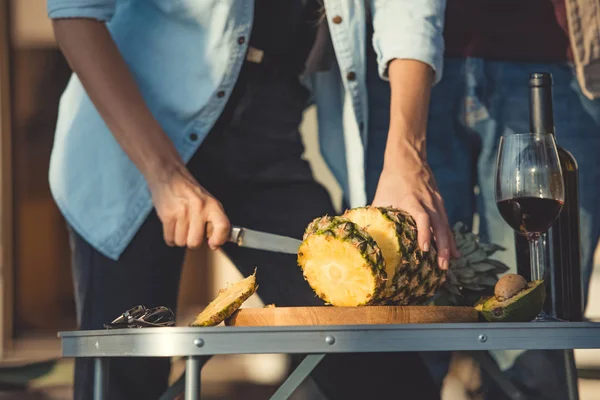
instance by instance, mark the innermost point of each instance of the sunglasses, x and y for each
(142, 317)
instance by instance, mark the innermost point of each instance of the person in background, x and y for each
(182, 114)
(491, 46)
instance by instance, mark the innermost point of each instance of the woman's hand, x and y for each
(407, 183)
(188, 212)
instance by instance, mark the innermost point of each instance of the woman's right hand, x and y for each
(184, 207)
(188, 212)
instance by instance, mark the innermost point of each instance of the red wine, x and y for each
(529, 214)
(564, 289)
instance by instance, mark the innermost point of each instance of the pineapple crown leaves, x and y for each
(474, 270)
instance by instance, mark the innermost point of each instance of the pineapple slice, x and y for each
(341, 263)
(414, 276)
(227, 302)
(383, 230)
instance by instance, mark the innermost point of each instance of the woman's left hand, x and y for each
(407, 183)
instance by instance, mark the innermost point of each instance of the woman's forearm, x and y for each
(95, 58)
(410, 83)
(407, 181)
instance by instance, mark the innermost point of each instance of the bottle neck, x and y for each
(541, 113)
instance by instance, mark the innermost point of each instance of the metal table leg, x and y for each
(179, 386)
(297, 377)
(571, 372)
(193, 365)
(100, 378)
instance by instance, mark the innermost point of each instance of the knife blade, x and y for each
(249, 238)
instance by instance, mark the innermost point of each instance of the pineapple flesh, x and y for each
(414, 276)
(382, 229)
(227, 302)
(371, 256)
(342, 263)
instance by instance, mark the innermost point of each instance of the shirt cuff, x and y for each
(425, 47)
(99, 10)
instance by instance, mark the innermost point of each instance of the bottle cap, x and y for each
(537, 79)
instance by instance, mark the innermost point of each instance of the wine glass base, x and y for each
(544, 317)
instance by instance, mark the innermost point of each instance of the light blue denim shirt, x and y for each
(184, 55)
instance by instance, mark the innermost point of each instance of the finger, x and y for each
(181, 229)
(439, 202)
(453, 247)
(169, 231)
(220, 229)
(209, 229)
(424, 233)
(196, 232)
(442, 240)
(197, 217)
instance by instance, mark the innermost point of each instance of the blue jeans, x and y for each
(476, 102)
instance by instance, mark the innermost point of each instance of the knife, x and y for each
(249, 238)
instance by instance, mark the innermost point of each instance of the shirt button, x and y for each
(351, 76)
(241, 40)
(221, 94)
(193, 137)
(337, 19)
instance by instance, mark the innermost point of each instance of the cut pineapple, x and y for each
(371, 256)
(341, 262)
(227, 302)
(382, 229)
(414, 274)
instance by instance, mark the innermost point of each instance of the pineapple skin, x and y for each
(418, 278)
(337, 228)
(210, 317)
(219, 316)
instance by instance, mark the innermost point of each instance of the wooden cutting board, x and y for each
(325, 315)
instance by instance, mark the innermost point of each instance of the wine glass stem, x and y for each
(535, 254)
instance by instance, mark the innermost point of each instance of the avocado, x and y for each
(521, 307)
(508, 286)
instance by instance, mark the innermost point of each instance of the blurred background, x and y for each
(36, 295)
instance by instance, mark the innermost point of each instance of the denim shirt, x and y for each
(185, 56)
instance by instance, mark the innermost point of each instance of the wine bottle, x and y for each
(563, 277)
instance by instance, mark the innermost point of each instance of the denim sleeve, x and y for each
(101, 10)
(409, 29)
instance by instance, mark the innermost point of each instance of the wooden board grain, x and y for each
(294, 316)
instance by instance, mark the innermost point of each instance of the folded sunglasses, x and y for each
(142, 317)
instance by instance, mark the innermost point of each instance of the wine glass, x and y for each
(529, 190)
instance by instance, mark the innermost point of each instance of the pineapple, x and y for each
(402, 275)
(341, 262)
(227, 302)
(413, 276)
